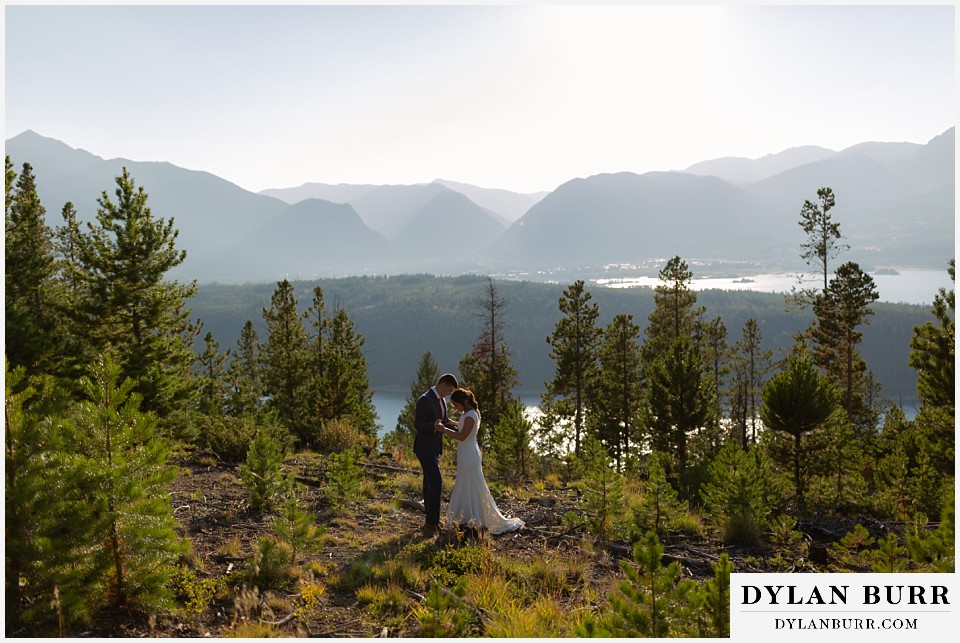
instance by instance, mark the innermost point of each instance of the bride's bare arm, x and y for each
(464, 431)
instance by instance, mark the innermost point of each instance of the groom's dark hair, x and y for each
(448, 379)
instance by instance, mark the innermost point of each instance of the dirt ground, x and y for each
(210, 507)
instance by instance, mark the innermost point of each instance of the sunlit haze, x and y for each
(517, 97)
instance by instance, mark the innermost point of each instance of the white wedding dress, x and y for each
(471, 504)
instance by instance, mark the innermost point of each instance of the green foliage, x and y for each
(244, 380)
(797, 401)
(211, 378)
(890, 557)
(823, 233)
(934, 549)
(230, 437)
(510, 445)
(853, 550)
(659, 505)
(340, 435)
(602, 488)
(427, 375)
(642, 604)
(487, 370)
(840, 310)
(49, 524)
(194, 593)
(447, 564)
(271, 565)
(138, 544)
(445, 614)
(123, 300)
(344, 476)
(735, 498)
(933, 350)
(296, 527)
(284, 361)
(575, 345)
(261, 473)
(679, 402)
(618, 419)
(32, 339)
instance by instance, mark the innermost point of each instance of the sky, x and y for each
(522, 97)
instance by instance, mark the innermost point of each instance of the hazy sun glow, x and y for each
(519, 97)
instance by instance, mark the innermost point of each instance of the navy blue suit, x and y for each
(428, 444)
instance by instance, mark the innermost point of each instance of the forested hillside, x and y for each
(404, 317)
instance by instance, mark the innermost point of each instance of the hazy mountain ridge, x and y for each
(895, 203)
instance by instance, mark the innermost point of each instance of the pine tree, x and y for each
(840, 310)
(675, 312)
(933, 350)
(679, 402)
(486, 370)
(125, 301)
(750, 366)
(427, 375)
(734, 498)
(646, 596)
(575, 344)
(619, 412)
(349, 395)
(716, 359)
(823, 236)
(511, 447)
(211, 377)
(49, 523)
(261, 474)
(284, 361)
(136, 527)
(33, 337)
(296, 527)
(659, 503)
(796, 402)
(602, 489)
(243, 374)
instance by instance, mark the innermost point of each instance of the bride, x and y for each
(471, 504)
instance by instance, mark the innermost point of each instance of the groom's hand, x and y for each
(438, 426)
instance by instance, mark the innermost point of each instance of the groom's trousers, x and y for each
(432, 486)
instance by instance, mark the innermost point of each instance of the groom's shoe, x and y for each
(430, 529)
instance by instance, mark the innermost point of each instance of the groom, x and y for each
(428, 443)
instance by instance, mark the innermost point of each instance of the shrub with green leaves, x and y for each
(230, 437)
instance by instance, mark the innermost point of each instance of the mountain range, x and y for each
(894, 202)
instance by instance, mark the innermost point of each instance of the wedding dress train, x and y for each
(471, 504)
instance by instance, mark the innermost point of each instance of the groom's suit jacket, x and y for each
(430, 408)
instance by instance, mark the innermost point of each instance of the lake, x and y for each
(906, 286)
(389, 402)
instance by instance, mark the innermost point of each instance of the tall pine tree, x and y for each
(126, 301)
(575, 345)
(284, 361)
(33, 337)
